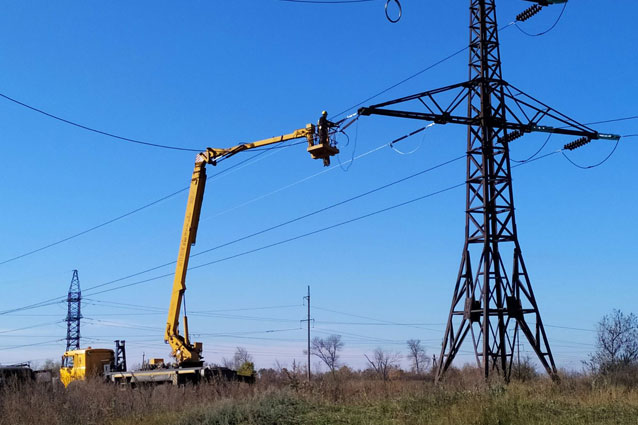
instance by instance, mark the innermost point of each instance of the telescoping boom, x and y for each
(185, 352)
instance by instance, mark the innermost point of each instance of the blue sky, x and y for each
(200, 74)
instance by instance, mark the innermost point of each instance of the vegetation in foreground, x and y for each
(382, 394)
(343, 398)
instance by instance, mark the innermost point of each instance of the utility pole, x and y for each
(308, 319)
(493, 302)
(74, 314)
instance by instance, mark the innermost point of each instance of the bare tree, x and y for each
(417, 355)
(327, 349)
(382, 361)
(616, 343)
(240, 358)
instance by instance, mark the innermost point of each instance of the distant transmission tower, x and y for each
(74, 314)
(493, 302)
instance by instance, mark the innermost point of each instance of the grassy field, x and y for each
(341, 400)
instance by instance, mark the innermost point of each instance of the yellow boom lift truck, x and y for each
(189, 364)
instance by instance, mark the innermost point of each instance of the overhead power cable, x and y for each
(245, 332)
(329, 207)
(84, 232)
(40, 304)
(633, 117)
(294, 220)
(281, 224)
(30, 327)
(94, 130)
(295, 183)
(571, 329)
(274, 307)
(312, 232)
(549, 136)
(120, 217)
(548, 29)
(598, 164)
(358, 337)
(405, 80)
(153, 310)
(410, 77)
(61, 299)
(12, 347)
(281, 242)
(328, 322)
(386, 322)
(184, 189)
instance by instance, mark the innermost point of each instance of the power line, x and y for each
(536, 153)
(281, 242)
(258, 198)
(416, 74)
(405, 80)
(295, 219)
(634, 117)
(221, 314)
(31, 327)
(289, 185)
(11, 347)
(198, 150)
(204, 313)
(387, 322)
(104, 133)
(361, 338)
(120, 217)
(345, 201)
(547, 30)
(267, 149)
(265, 246)
(587, 167)
(570, 328)
(58, 300)
(246, 332)
(146, 143)
(45, 303)
(123, 325)
(263, 150)
(328, 322)
(250, 308)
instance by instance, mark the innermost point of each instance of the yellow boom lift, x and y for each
(319, 147)
(188, 355)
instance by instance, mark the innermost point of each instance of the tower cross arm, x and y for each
(591, 135)
(522, 112)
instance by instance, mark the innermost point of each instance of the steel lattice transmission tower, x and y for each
(74, 314)
(489, 300)
(493, 300)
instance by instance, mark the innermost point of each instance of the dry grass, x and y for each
(349, 398)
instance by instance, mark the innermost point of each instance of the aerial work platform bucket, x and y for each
(323, 151)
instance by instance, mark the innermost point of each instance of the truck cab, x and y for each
(78, 365)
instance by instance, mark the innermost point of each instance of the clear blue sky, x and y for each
(199, 74)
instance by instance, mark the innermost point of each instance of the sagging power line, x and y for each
(94, 130)
(281, 242)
